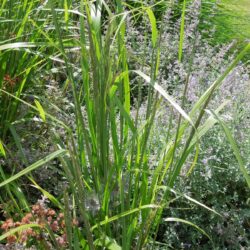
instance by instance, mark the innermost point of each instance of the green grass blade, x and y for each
(40, 110)
(125, 114)
(17, 45)
(219, 81)
(193, 201)
(18, 229)
(182, 30)
(50, 197)
(234, 146)
(36, 109)
(153, 26)
(17, 140)
(173, 219)
(195, 159)
(124, 214)
(34, 166)
(166, 96)
(68, 219)
(2, 151)
(66, 13)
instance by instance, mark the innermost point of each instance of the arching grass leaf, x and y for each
(34, 166)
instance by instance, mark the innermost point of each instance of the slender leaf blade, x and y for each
(17, 229)
(2, 151)
(234, 146)
(173, 219)
(153, 26)
(34, 166)
(40, 110)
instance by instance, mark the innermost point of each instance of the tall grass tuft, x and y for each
(113, 190)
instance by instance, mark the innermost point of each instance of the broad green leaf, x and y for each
(34, 166)
(153, 26)
(40, 110)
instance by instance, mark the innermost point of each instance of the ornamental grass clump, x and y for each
(114, 188)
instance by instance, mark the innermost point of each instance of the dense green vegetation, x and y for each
(234, 20)
(124, 124)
